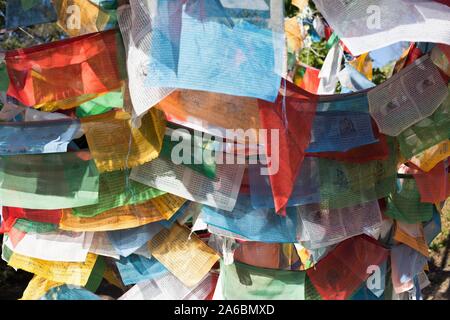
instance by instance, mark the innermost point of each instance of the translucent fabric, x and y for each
(132, 216)
(68, 292)
(433, 227)
(37, 287)
(434, 185)
(412, 235)
(168, 287)
(407, 97)
(135, 269)
(365, 294)
(340, 131)
(84, 18)
(48, 181)
(244, 282)
(66, 73)
(426, 133)
(343, 185)
(333, 184)
(254, 224)
(404, 204)
(37, 136)
(324, 227)
(193, 40)
(102, 104)
(179, 180)
(128, 241)
(360, 30)
(429, 158)
(406, 264)
(365, 153)
(30, 226)
(58, 245)
(135, 26)
(117, 190)
(116, 145)
(341, 272)
(201, 154)
(184, 254)
(297, 108)
(307, 77)
(75, 273)
(11, 214)
(24, 13)
(212, 111)
(268, 255)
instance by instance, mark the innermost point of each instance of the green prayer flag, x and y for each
(244, 282)
(30, 226)
(116, 189)
(48, 181)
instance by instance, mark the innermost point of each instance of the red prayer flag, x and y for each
(65, 72)
(292, 115)
(341, 272)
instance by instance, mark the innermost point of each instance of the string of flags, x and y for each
(186, 150)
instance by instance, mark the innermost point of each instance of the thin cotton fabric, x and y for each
(24, 13)
(254, 224)
(433, 186)
(244, 282)
(340, 131)
(48, 181)
(429, 158)
(212, 111)
(37, 136)
(66, 73)
(31, 226)
(322, 227)
(191, 41)
(407, 97)
(136, 29)
(128, 241)
(135, 269)
(333, 184)
(202, 153)
(426, 133)
(403, 20)
(102, 104)
(404, 204)
(298, 109)
(341, 272)
(132, 216)
(78, 17)
(117, 190)
(68, 292)
(116, 145)
(365, 153)
(11, 214)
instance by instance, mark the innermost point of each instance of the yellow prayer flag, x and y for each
(293, 34)
(429, 158)
(419, 244)
(38, 287)
(132, 216)
(76, 273)
(78, 17)
(183, 254)
(116, 145)
(364, 65)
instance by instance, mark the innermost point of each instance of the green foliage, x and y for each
(28, 36)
